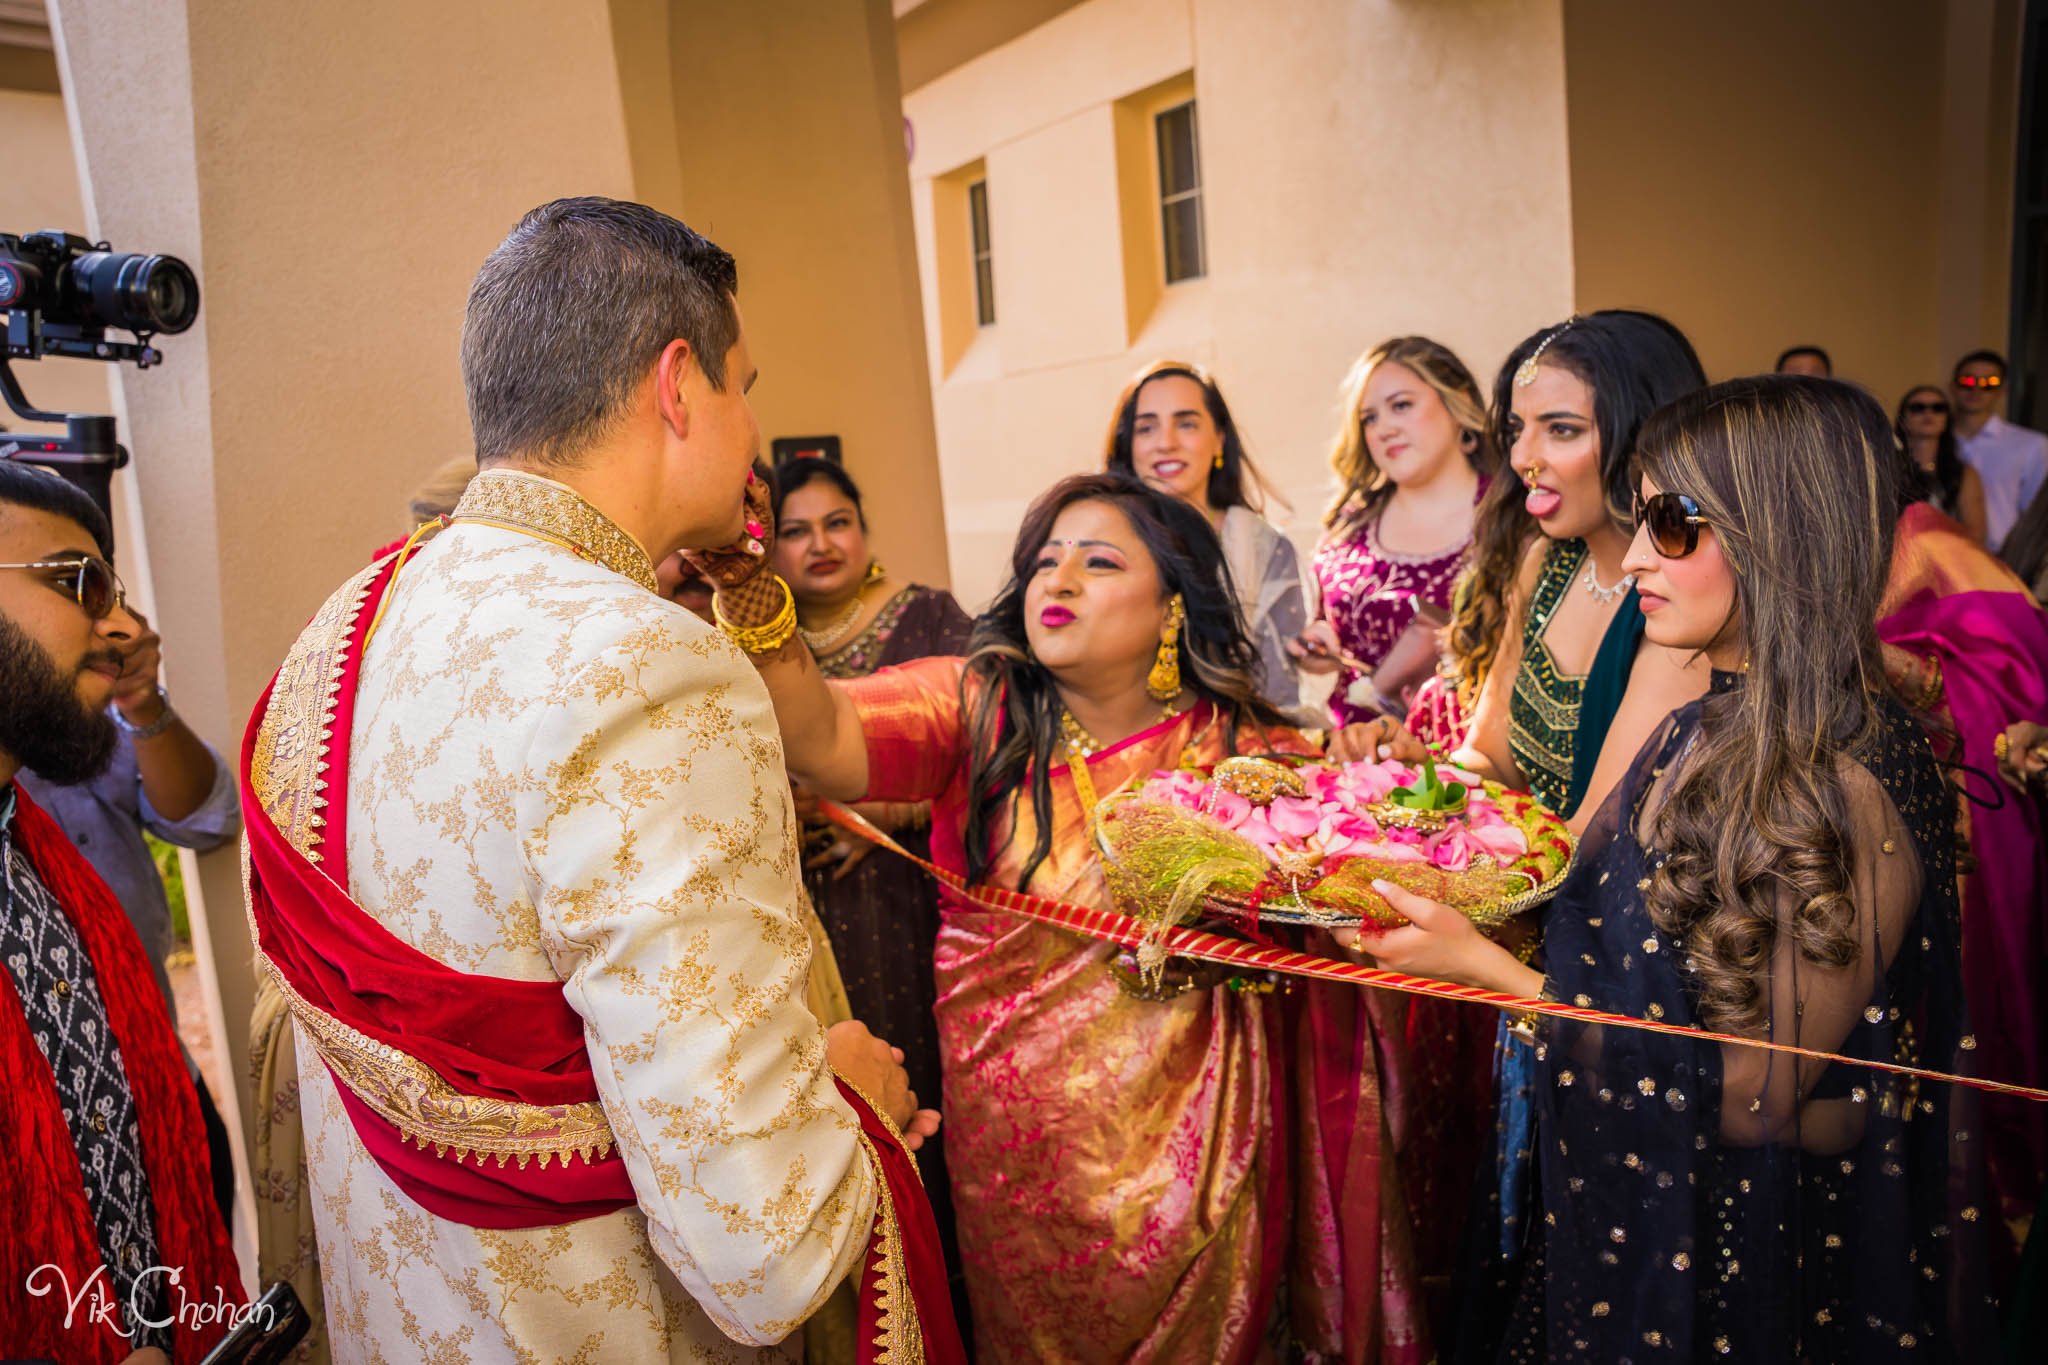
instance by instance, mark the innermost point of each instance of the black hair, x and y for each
(1634, 363)
(32, 486)
(1974, 357)
(1014, 710)
(1944, 485)
(1827, 361)
(1234, 483)
(571, 310)
(791, 475)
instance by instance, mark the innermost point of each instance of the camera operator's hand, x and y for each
(142, 656)
(875, 1069)
(730, 566)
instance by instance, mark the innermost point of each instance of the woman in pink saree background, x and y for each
(1126, 1156)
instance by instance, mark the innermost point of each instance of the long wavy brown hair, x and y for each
(1363, 487)
(1798, 481)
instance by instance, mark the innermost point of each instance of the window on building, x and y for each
(1180, 193)
(984, 265)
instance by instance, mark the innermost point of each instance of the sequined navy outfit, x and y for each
(1702, 1202)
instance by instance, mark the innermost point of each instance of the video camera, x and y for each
(61, 293)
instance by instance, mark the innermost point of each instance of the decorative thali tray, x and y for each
(1262, 840)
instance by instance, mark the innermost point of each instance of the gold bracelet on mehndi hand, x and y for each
(767, 637)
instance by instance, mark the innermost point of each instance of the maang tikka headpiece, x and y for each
(1525, 373)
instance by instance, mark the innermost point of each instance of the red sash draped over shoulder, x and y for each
(473, 1093)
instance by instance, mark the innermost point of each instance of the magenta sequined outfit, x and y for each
(1366, 590)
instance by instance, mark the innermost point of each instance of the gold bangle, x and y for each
(767, 637)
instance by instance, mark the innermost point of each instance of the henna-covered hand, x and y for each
(729, 566)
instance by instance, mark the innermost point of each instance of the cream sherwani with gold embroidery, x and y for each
(557, 774)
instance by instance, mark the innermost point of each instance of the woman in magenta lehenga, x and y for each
(1120, 1151)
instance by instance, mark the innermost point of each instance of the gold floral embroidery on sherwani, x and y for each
(555, 774)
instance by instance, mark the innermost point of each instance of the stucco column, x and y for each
(789, 124)
(335, 174)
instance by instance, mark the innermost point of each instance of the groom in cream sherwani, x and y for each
(555, 778)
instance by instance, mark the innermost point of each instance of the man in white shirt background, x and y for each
(2011, 460)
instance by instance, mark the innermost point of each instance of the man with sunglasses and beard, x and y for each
(107, 1224)
(164, 779)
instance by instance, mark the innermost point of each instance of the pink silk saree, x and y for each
(1127, 1172)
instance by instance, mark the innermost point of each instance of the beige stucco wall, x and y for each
(1362, 177)
(39, 189)
(335, 209)
(1772, 174)
(792, 153)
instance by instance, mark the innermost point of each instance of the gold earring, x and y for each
(875, 574)
(1163, 682)
(1219, 459)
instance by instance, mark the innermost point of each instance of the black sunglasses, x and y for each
(89, 582)
(1920, 405)
(1673, 521)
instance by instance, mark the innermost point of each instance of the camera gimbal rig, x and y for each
(61, 293)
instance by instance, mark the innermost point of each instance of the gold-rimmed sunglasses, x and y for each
(91, 582)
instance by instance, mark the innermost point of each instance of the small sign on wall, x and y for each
(783, 449)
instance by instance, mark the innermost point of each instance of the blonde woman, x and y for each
(1174, 432)
(1412, 456)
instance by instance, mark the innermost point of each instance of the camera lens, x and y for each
(139, 293)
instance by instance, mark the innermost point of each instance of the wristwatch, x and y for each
(155, 727)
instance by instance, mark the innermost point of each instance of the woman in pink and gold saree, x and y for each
(1122, 1148)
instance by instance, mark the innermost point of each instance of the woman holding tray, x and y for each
(1775, 864)
(1117, 1143)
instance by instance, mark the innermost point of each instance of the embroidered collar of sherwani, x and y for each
(519, 501)
(544, 774)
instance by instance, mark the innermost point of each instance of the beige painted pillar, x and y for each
(790, 129)
(335, 174)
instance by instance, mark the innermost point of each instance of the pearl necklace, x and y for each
(1599, 593)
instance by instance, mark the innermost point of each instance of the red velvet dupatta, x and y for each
(474, 1093)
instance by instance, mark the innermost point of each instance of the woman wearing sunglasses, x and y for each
(1776, 864)
(1926, 434)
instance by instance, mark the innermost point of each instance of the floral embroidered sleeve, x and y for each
(660, 847)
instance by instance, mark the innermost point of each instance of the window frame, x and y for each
(1169, 199)
(981, 250)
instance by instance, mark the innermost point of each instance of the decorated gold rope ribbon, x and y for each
(1110, 926)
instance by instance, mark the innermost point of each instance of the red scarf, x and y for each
(46, 1226)
(482, 1035)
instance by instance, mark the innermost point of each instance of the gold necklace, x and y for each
(826, 640)
(1082, 746)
